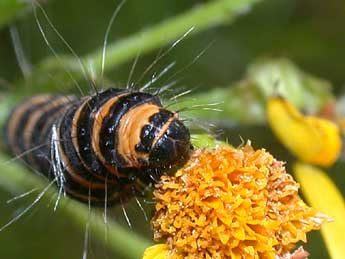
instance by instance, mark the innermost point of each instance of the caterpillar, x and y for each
(100, 149)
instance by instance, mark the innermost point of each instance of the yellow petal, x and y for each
(323, 195)
(311, 139)
(330, 135)
(158, 251)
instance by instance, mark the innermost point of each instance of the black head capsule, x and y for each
(172, 146)
(153, 138)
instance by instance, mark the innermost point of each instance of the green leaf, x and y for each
(282, 77)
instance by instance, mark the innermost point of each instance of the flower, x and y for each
(231, 203)
(312, 139)
(158, 251)
(161, 251)
(315, 141)
(321, 192)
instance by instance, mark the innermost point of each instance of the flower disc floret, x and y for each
(231, 203)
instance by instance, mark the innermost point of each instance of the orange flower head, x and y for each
(231, 203)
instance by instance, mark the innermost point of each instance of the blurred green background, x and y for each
(311, 33)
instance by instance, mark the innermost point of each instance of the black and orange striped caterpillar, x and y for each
(100, 149)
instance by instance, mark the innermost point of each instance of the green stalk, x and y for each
(9, 9)
(200, 18)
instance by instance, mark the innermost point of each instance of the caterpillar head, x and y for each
(155, 138)
(172, 145)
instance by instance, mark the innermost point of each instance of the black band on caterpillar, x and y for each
(111, 144)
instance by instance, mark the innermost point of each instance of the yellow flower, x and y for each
(312, 139)
(316, 141)
(159, 251)
(231, 203)
(322, 194)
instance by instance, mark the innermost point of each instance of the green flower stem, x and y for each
(9, 9)
(201, 18)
